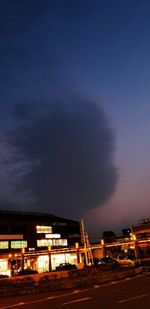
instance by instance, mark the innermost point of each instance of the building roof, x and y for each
(33, 215)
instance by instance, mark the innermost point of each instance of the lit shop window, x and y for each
(51, 242)
(4, 245)
(60, 242)
(3, 266)
(52, 236)
(43, 229)
(17, 244)
(44, 242)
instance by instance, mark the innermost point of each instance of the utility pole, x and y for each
(85, 242)
(90, 256)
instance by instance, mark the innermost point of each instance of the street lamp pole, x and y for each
(49, 258)
(134, 239)
(135, 246)
(77, 250)
(103, 246)
(22, 260)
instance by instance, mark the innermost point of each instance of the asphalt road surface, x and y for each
(127, 293)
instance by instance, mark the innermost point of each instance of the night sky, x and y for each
(74, 109)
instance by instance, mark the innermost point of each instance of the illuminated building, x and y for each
(135, 240)
(142, 236)
(37, 240)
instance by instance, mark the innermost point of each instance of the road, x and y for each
(127, 293)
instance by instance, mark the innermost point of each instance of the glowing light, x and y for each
(18, 244)
(102, 242)
(52, 236)
(77, 245)
(23, 250)
(43, 229)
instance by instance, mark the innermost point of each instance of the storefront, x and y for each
(56, 260)
(4, 267)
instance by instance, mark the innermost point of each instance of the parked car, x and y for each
(96, 261)
(128, 260)
(27, 271)
(66, 266)
(108, 261)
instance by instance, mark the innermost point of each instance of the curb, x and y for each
(67, 280)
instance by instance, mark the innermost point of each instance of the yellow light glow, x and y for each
(44, 242)
(102, 242)
(134, 237)
(43, 229)
(18, 244)
(77, 245)
(52, 236)
(4, 267)
(4, 244)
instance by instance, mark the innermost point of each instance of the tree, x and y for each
(108, 236)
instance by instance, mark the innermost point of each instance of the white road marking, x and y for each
(14, 305)
(75, 291)
(131, 298)
(26, 303)
(76, 300)
(127, 279)
(70, 293)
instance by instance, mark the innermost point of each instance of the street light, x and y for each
(135, 246)
(103, 246)
(133, 237)
(77, 251)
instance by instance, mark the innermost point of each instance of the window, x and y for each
(18, 244)
(74, 236)
(4, 244)
(44, 242)
(60, 242)
(43, 229)
(52, 236)
(59, 223)
(3, 266)
(51, 242)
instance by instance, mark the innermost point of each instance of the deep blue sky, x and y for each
(91, 51)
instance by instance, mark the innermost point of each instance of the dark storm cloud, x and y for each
(28, 35)
(23, 111)
(69, 154)
(20, 16)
